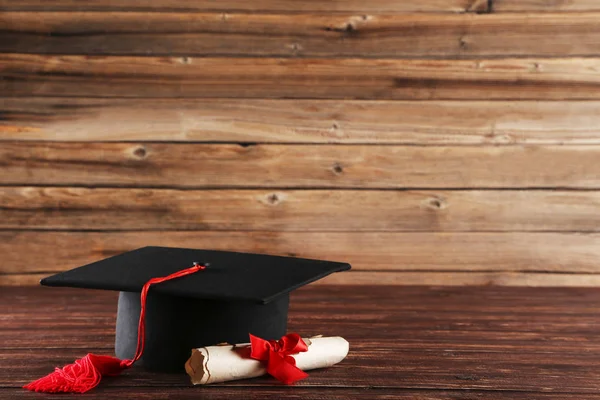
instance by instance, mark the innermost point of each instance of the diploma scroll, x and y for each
(223, 363)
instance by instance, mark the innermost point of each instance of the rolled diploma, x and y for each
(215, 364)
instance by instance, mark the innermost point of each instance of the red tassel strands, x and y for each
(85, 374)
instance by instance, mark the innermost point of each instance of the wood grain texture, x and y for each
(366, 251)
(51, 208)
(357, 373)
(403, 279)
(188, 165)
(302, 35)
(429, 342)
(219, 393)
(270, 110)
(524, 326)
(455, 278)
(268, 6)
(300, 121)
(180, 77)
(545, 5)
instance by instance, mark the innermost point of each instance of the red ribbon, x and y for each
(278, 355)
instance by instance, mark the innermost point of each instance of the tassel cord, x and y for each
(85, 374)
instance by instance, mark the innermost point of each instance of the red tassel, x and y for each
(85, 374)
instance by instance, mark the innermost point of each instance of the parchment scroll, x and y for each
(223, 363)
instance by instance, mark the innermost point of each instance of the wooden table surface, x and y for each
(405, 342)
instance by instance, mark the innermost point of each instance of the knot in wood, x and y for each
(436, 203)
(140, 152)
(337, 168)
(273, 198)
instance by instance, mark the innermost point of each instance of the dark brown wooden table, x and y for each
(406, 342)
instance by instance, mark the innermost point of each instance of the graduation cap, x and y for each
(198, 298)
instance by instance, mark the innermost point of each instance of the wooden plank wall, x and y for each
(425, 141)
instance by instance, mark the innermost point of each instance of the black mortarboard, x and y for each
(237, 294)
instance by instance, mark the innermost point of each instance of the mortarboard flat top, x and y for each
(229, 276)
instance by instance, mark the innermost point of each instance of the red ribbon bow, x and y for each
(278, 355)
